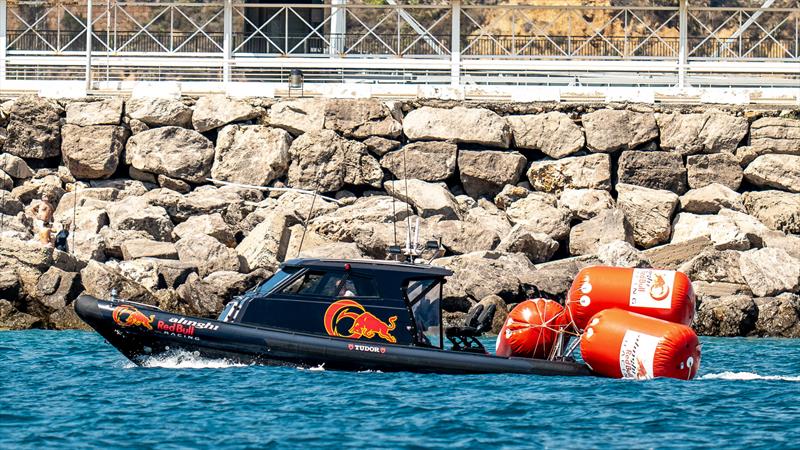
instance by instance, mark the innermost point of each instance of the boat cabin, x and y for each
(383, 302)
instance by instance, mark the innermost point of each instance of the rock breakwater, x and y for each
(523, 196)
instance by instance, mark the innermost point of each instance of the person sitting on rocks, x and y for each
(60, 240)
(42, 213)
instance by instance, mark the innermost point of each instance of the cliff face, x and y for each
(521, 194)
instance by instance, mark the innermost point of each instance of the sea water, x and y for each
(72, 390)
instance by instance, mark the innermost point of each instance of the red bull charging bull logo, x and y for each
(364, 324)
(128, 316)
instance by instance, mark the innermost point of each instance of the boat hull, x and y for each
(139, 332)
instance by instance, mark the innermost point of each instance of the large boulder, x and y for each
(92, 151)
(9, 204)
(622, 254)
(100, 279)
(103, 112)
(459, 124)
(575, 172)
(298, 116)
(427, 161)
(722, 230)
(428, 199)
(672, 255)
(713, 265)
(361, 118)
(538, 247)
(775, 209)
(711, 199)
(649, 211)
(552, 133)
(215, 111)
(609, 130)
(12, 319)
(147, 248)
(251, 154)
(606, 227)
(554, 278)
(485, 173)
(207, 253)
(325, 162)
(380, 146)
(585, 203)
(207, 296)
(56, 289)
(722, 168)
(15, 166)
(775, 135)
(770, 271)
(211, 224)
(775, 171)
(159, 112)
(34, 130)
(542, 214)
(509, 194)
(710, 132)
(654, 170)
(134, 213)
(726, 316)
(172, 151)
(480, 274)
(778, 316)
(265, 247)
(460, 237)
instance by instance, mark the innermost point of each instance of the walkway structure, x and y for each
(455, 48)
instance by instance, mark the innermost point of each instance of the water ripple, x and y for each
(70, 389)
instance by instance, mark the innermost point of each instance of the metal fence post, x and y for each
(3, 42)
(455, 44)
(88, 46)
(227, 41)
(683, 43)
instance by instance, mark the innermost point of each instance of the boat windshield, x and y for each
(425, 297)
(274, 280)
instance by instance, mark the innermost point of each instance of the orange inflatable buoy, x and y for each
(622, 344)
(663, 294)
(531, 329)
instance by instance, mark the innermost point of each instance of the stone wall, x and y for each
(523, 195)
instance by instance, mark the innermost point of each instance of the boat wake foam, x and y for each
(186, 360)
(748, 376)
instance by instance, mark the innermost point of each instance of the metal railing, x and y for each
(223, 41)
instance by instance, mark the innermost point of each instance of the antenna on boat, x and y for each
(308, 218)
(2, 215)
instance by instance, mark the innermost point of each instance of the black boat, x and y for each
(338, 314)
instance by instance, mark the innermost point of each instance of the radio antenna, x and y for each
(310, 212)
(3, 216)
(74, 215)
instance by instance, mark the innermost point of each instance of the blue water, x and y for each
(72, 390)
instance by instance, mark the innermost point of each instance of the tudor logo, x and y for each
(366, 348)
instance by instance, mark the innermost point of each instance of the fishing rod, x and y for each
(275, 189)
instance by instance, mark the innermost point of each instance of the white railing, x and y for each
(444, 43)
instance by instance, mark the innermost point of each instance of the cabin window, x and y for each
(274, 280)
(358, 286)
(315, 283)
(425, 297)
